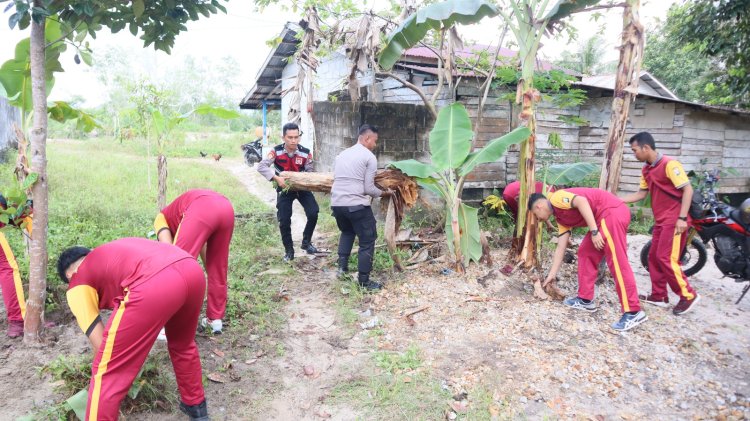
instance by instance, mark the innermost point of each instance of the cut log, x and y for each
(406, 193)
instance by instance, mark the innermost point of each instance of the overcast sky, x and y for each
(242, 34)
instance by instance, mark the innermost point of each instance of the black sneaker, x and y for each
(197, 412)
(365, 282)
(289, 255)
(309, 248)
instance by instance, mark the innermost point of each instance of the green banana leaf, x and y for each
(569, 174)
(468, 225)
(77, 403)
(433, 185)
(443, 14)
(414, 168)
(564, 8)
(450, 138)
(494, 150)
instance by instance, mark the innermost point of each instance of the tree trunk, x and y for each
(38, 249)
(161, 167)
(527, 234)
(626, 89)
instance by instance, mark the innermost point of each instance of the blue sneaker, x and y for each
(629, 321)
(578, 304)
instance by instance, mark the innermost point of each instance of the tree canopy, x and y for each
(719, 30)
(159, 22)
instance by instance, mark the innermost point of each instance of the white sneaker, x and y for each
(162, 335)
(216, 325)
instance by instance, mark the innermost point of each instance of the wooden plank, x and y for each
(690, 132)
(738, 135)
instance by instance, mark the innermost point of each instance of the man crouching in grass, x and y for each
(148, 285)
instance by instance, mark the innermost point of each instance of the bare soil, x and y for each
(489, 343)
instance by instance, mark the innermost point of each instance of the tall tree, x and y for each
(159, 24)
(529, 20)
(626, 89)
(719, 29)
(681, 68)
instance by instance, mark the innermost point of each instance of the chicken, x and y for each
(216, 156)
(203, 154)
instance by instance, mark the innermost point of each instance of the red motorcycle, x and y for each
(726, 227)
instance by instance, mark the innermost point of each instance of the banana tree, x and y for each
(529, 20)
(451, 162)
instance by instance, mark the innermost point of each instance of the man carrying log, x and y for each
(291, 156)
(351, 194)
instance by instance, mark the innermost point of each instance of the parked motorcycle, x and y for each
(726, 227)
(253, 152)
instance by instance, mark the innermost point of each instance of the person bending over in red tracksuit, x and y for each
(195, 219)
(10, 282)
(148, 285)
(513, 190)
(607, 218)
(671, 195)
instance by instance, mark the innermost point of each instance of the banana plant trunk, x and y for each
(527, 234)
(457, 235)
(34, 318)
(626, 89)
(161, 168)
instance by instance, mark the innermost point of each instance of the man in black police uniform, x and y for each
(291, 156)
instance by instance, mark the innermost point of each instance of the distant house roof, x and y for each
(648, 85)
(268, 80)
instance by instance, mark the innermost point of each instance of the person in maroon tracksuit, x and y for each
(148, 285)
(10, 281)
(202, 222)
(671, 195)
(511, 192)
(607, 219)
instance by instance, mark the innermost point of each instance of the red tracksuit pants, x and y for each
(613, 226)
(209, 220)
(10, 282)
(664, 263)
(171, 299)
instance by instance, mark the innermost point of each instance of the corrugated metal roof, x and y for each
(648, 85)
(268, 80)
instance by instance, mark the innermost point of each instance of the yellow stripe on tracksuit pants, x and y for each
(674, 263)
(106, 356)
(616, 264)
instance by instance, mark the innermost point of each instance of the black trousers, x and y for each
(284, 215)
(360, 222)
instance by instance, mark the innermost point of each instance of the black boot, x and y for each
(289, 254)
(343, 266)
(365, 282)
(197, 412)
(308, 246)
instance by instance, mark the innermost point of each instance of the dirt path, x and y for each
(317, 351)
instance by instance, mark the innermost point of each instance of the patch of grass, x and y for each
(395, 362)
(350, 298)
(182, 145)
(153, 388)
(326, 221)
(395, 387)
(101, 191)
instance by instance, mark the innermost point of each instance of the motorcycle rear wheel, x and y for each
(693, 258)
